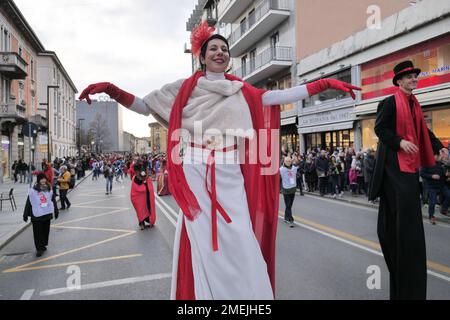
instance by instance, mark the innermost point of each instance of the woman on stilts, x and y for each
(226, 189)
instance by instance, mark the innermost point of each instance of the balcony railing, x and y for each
(256, 16)
(12, 65)
(270, 55)
(12, 111)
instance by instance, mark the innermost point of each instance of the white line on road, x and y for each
(351, 243)
(169, 208)
(105, 284)
(168, 216)
(27, 295)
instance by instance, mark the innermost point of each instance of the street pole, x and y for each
(79, 136)
(49, 156)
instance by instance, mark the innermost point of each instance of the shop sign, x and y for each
(287, 121)
(327, 117)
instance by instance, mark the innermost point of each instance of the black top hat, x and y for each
(404, 68)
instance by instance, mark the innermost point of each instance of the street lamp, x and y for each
(79, 136)
(49, 156)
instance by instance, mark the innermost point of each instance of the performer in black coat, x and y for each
(405, 145)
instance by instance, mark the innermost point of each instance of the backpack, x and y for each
(72, 182)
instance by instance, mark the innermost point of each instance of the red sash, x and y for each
(411, 127)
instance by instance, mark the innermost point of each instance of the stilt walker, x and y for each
(226, 188)
(405, 145)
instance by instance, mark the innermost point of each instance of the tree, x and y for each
(99, 131)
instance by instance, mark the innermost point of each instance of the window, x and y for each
(251, 18)
(252, 60)
(286, 83)
(331, 95)
(244, 65)
(243, 26)
(32, 69)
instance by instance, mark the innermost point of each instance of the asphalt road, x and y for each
(98, 241)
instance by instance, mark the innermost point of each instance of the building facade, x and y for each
(158, 138)
(101, 129)
(389, 32)
(57, 89)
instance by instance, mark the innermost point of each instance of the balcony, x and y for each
(12, 65)
(266, 17)
(233, 10)
(39, 120)
(12, 111)
(266, 64)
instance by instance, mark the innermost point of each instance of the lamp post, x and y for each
(49, 156)
(79, 136)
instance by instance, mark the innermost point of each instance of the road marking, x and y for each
(25, 267)
(168, 216)
(105, 284)
(94, 229)
(76, 263)
(88, 218)
(364, 207)
(363, 244)
(169, 208)
(28, 266)
(27, 295)
(95, 201)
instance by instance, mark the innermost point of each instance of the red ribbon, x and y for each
(404, 70)
(215, 205)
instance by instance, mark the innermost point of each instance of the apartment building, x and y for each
(361, 45)
(57, 89)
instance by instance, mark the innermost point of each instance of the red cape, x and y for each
(139, 201)
(262, 190)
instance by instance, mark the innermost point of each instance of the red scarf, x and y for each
(411, 127)
(261, 190)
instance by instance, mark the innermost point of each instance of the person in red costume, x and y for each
(224, 244)
(163, 180)
(143, 196)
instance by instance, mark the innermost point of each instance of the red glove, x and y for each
(124, 98)
(329, 83)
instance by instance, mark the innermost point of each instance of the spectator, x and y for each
(108, 173)
(63, 181)
(435, 180)
(369, 166)
(288, 174)
(41, 206)
(323, 169)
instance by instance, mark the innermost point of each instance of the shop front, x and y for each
(331, 130)
(289, 135)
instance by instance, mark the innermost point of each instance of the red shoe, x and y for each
(433, 220)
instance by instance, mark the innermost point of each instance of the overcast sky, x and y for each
(136, 44)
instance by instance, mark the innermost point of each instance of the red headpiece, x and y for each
(199, 36)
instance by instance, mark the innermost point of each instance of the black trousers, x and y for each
(401, 232)
(41, 230)
(63, 198)
(323, 185)
(288, 202)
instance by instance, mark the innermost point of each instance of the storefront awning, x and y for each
(327, 128)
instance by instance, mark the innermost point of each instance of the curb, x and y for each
(374, 206)
(26, 225)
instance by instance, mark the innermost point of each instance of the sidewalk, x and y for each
(11, 222)
(362, 200)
